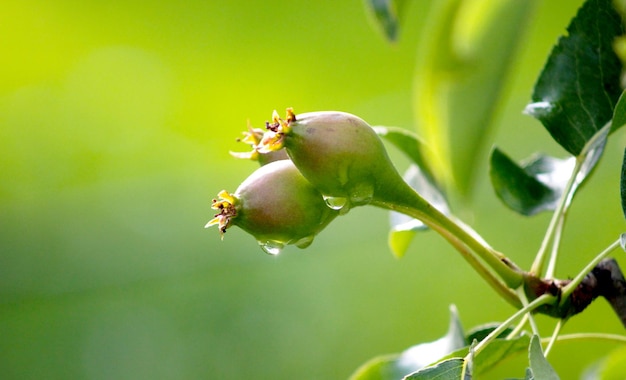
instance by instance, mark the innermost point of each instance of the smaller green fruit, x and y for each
(276, 205)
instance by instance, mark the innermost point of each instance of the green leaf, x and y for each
(579, 86)
(403, 227)
(612, 366)
(415, 358)
(480, 332)
(421, 355)
(495, 352)
(534, 186)
(379, 368)
(386, 15)
(538, 183)
(399, 240)
(623, 184)
(451, 369)
(460, 80)
(619, 113)
(539, 366)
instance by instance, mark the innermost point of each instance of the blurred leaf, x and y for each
(611, 367)
(460, 80)
(623, 184)
(415, 358)
(534, 186)
(403, 227)
(379, 368)
(451, 369)
(592, 372)
(579, 86)
(529, 375)
(539, 366)
(399, 239)
(386, 13)
(410, 144)
(622, 241)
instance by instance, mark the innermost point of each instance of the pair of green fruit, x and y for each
(335, 161)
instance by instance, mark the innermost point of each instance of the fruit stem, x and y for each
(544, 299)
(569, 288)
(471, 246)
(556, 223)
(554, 337)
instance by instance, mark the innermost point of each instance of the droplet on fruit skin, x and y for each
(271, 247)
(304, 242)
(362, 195)
(336, 203)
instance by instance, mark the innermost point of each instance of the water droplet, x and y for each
(336, 203)
(271, 247)
(304, 242)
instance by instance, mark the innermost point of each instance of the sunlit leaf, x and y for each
(399, 239)
(579, 86)
(415, 358)
(386, 13)
(533, 186)
(403, 227)
(539, 366)
(451, 369)
(460, 79)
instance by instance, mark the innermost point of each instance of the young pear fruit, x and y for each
(276, 205)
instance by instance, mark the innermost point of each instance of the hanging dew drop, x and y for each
(362, 194)
(304, 242)
(336, 203)
(271, 247)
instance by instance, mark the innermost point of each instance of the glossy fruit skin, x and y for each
(276, 203)
(340, 154)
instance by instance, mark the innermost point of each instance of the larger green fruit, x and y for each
(342, 156)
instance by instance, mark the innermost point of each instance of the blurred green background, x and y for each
(116, 119)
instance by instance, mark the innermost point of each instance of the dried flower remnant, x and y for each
(253, 138)
(225, 204)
